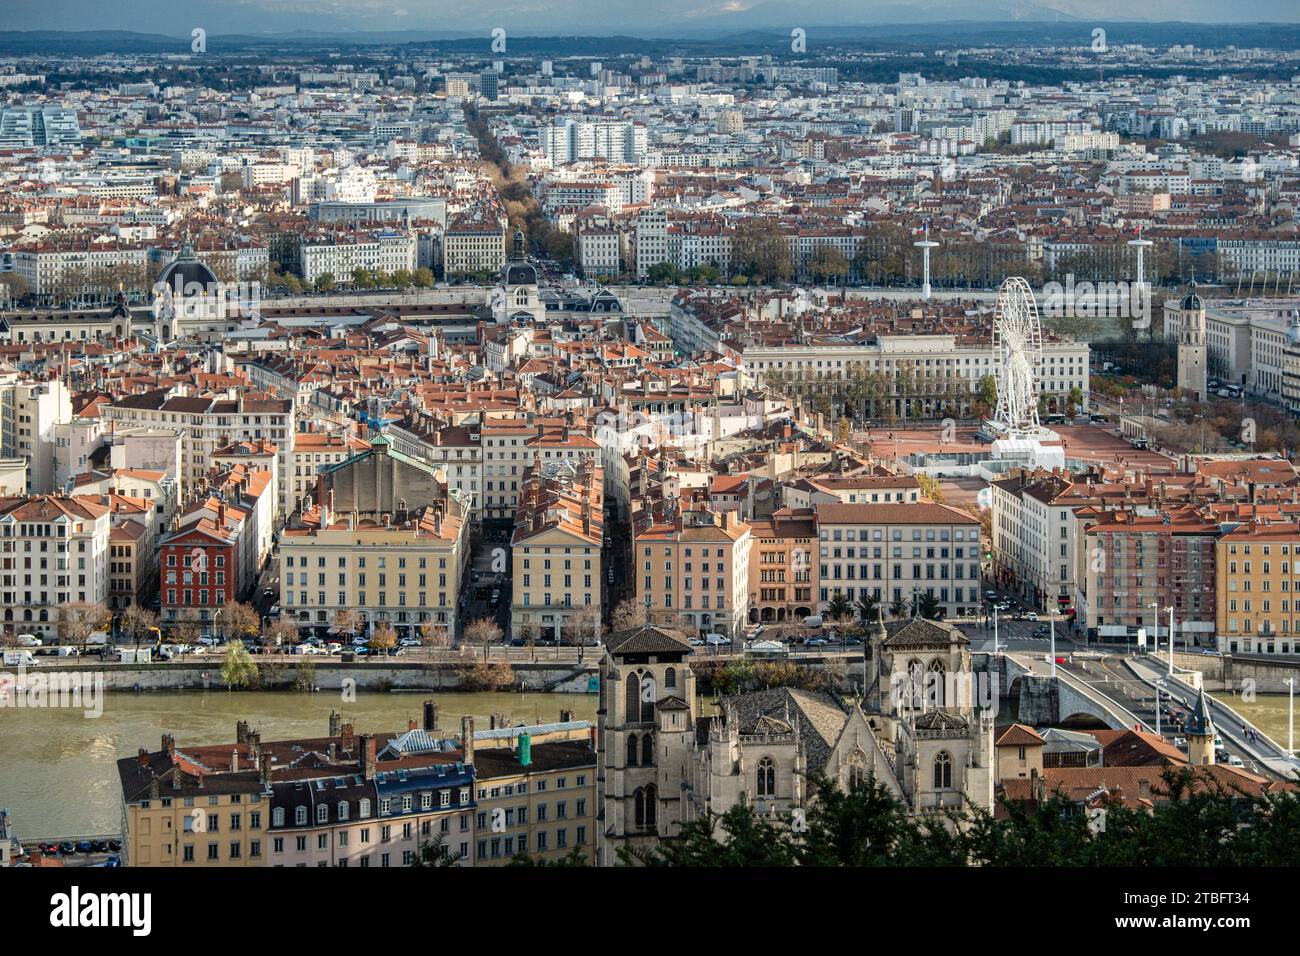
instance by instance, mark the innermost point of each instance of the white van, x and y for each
(97, 638)
(713, 640)
(23, 658)
(28, 640)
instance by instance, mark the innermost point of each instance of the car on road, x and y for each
(496, 596)
(268, 592)
(1235, 761)
(816, 642)
(409, 642)
(1180, 742)
(1031, 616)
(695, 641)
(991, 595)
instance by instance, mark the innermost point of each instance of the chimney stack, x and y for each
(336, 723)
(369, 759)
(234, 760)
(467, 739)
(266, 772)
(169, 745)
(143, 758)
(254, 744)
(430, 715)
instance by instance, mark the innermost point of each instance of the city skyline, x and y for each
(588, 18)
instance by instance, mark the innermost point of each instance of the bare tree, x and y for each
(628, 614)
(582, 626)
(384, 637)
(80, 619)
(484, 632)
(139, 623)
(346, 623)
(283, 633)
(240, 620)
(435, 636)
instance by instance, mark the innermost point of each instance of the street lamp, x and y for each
(1159, 683)
(1290, 716)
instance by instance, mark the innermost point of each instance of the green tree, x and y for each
(838, 608)
(238, 669)
(760, 252)
(325, 282)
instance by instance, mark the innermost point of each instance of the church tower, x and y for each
(1191, 347)
(1200, 734)
(645, 729)
(516, 298)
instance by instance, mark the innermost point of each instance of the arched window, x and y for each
(670, 677)
(322, 813)
(363, 808)
(633, 700)
(650, 800)
(934, 681)
(647, 699)
(343, 810)
(915, 675)
(631, 750)
(277, 817)
(943, 771)
(638, 801)
(766, 778)
(300, 816)
(648, 750)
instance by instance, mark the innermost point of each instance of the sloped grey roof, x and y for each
(647, 640)
(819, 718)
(918, 632)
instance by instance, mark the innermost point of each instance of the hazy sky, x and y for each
(592, 17)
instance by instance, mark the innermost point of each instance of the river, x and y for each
(58, 768)
(1268, 712)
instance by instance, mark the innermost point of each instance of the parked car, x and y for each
(67, 848)
(99, 846)
(816, 642)
(695, 641)
(409, 642)
(1235, 761)
(115, 846)
(1180, 742)
(1031, 616)
(85, 846)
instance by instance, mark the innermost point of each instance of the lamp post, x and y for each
(1290, 716)
(1155, 634)
(1171, 640)
(1051, 623)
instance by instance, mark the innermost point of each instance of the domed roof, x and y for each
(518, 273)
(1192, 302)
(186, 269)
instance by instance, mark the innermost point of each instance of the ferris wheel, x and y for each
(1017, 357)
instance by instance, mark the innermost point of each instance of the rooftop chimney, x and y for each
(336, 722)
(430, 715)
(266, 772)
(369, 759)
(467, 739)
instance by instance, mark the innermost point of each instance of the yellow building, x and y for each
(534, 797)
(1257, 573)
(556, 551)
(174, 817)
(404, 569)
(694, 567)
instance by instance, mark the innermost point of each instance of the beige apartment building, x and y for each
(693, 567)
(401, 568)
(173, 816)
(555, 551)
(893, 552)
(534, 796)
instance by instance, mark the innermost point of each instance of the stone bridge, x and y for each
(1043, 701)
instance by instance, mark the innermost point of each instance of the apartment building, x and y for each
(692, 568)
(512, 445)
(384, 252)
(535, 796)
(1258, 576)
(1136, 563)
(472, 246)
(783, 567)
(208, 423)
(30, 416)
(555, 550)
(894, 552)
(402, 568)
(54, 550)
